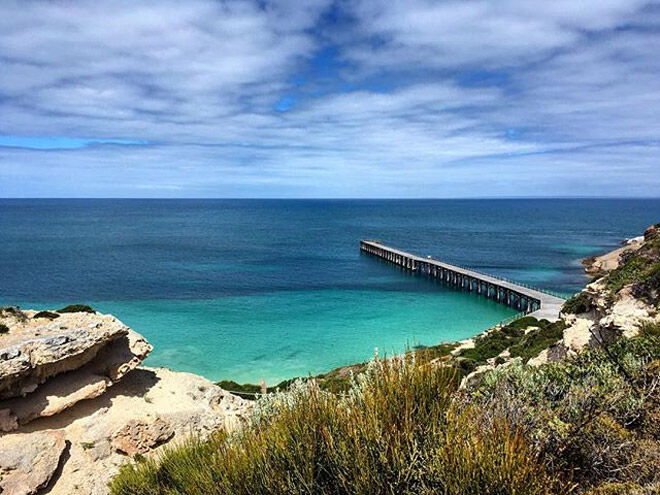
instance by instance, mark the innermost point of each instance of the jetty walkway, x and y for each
(527, 300)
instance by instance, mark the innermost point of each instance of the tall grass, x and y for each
(395, 432)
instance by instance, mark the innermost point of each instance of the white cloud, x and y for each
(574, 89)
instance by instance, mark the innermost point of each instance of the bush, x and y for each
(579, 303)
(650, 329)
(618, 489)
(395, 432)
(46, 314)
(626, 273)
(14, 311)
(77, 308)
(591, 416)
(538, 339)
(523, 323)
(493, 343)
(3, 328)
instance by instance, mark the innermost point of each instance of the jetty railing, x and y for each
(511, 281)
(523, 297)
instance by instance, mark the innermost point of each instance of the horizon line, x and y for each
(326, 198)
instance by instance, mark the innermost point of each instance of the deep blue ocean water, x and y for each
(251, 289)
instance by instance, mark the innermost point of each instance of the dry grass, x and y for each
(395, 432)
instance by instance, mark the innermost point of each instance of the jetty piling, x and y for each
(526, 300)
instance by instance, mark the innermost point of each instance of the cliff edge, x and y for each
(75, 404)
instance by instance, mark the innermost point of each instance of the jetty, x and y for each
(527, 300)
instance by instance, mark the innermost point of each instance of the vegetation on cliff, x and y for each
(586, 424)
(405, 427)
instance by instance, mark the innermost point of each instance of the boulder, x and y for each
(140, 436)
(29, 461)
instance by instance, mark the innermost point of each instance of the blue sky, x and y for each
(389, 98)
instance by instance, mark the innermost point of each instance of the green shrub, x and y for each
(493, 343)
(523, 323)
(538, 339)
(77, 308)
(436, 351)
(648, 285)
(592, 415)
(626, 273)
(395, 432)
(579, 303)
(14, 311)
(46, 314)
(3, 328)
(650, 329)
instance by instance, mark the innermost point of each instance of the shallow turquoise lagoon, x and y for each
(282, 335)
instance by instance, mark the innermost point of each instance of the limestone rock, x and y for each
(60, 392)
(187, 404)
(140, 436)
(36, 349)
(627, 314)
(28, 461)
(578, 334)
(53, 397)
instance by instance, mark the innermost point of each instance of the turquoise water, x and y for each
(251, 289)
(284, 334)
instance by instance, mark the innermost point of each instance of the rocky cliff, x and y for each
(75, 404)
(623, 297)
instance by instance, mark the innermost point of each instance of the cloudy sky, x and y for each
(315, 98)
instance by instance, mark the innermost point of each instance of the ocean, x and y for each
(272, 289)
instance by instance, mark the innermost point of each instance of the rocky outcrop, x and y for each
(76, 405)
(605, 263)
(139, 436)
(35, 349)
(620, 301)
(50, 364)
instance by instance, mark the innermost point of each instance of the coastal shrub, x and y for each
(396, 431)
(46, 314)
(14, 311)
(523, 323)
(579, 303)
(435, 351)
(232, 386)
(3, 328)
(641, 269)
(650, 329)
(619, 489)
(493, 343)
(77, 308)
(536, 340)
(648, 285)
(626, 273)
(591, 417)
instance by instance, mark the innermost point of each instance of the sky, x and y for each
(320, 98)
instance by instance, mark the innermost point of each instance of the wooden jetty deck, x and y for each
(527, 300)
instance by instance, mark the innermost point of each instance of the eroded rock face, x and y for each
(36, 349)
(28, 461)
(116, 350)
(150, 409)
(75, 405)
